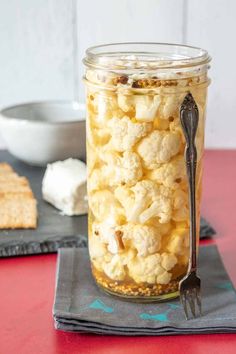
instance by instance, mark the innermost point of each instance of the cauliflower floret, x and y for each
(158, 147)
(181, 214)
(133, 204)
(168, 261)
(151, 201)
(125, 102)
(180, 199)
(104, 107)
(125, 134)
(179, 241)
(170, 174)
(97, 180)
(145, 239)
(171, 105)
(144, 201)
(97, 248)
(146, 107)
(160, 207)
(145, 188)
(175, 127)
(180, 205)
(103, 204)
(164, 278)
(163, 229)
(148, 269)
(115, 269)
(97, 136)
(103, 260)
(126, 169)
(125, 196)
(107, 231)
(98, 252)
(104, 176)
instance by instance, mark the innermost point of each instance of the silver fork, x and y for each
(190, 285)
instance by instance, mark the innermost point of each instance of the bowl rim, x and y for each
(75, 103)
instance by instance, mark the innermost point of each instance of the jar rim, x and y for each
(144, 55)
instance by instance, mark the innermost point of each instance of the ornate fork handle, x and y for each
(189, 119)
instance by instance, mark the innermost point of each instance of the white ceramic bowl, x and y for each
(43, 132)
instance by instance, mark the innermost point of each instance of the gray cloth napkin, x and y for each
(206, 230)
(81, 307)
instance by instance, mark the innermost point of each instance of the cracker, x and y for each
(18, 207)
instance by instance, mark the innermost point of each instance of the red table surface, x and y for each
(27, 288)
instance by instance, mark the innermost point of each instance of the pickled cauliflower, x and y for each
(97, 180)
(145, 239)
(137, 185)
(103, 204)
(158, 147)
(125, 134)
(104, 107)
(125, 102)
(148, 270)
(126, 169)
(126, 198)
(170, 174)
(144, 201)
(98, 252)
(171, 105)
(168, 261)
(108, 234)
(97, 136)
(178, 241)
(163, 229)
(97, 248)
(115, 269)
(146, 107)
(180, 205)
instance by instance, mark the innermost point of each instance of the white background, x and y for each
(42, 43)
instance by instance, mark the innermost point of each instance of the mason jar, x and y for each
(138, 221)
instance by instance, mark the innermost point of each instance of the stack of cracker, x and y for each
(18, 207)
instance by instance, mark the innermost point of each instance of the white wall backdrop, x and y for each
(42, 44)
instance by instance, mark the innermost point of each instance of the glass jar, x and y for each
(137, 183)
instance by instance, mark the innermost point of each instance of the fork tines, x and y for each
(190, 296)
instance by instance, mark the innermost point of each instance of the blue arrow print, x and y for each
(99, 305)
(162, 317)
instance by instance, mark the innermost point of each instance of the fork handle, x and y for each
(189, 117)
(191, 157)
